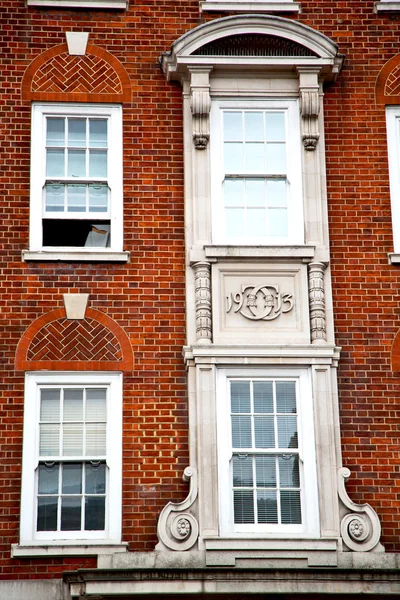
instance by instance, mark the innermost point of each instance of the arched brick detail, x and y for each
(96, 343)
(396, 353)
(57, 76)
(387, 88)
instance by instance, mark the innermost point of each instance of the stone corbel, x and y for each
(178, 529)
(361, 528)
(200, 104)
(309, 106)
(316, 294)
(202, 283)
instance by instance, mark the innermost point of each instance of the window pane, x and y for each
(243, 506)
(95, 439)
(289, 471)
(263, 397)
(55, 132)
(47, 514)
(242, 470)
(234, 222)
(71, 513)
(54, 197)
(98, 163)
(276, 192)
(278, 222)
(264, 432)
(267, 507)
(232, 126)
(96, 406)
(77, 132)
(275, 126)
(290, 507)
(233, 157)
(233, 192)
(255, 192)
(72, 478)
(254, 158)
(48, 479)
(256, 222)
(254, 126)
(95, 478)
(241, 432)
(98, 198)
(287, 432)
(73, 405)
(49, 443)
(76, 198)
(276, 158)
(50, 405)
(73, 440)
(55, 163)
(98, 133)
(76, 163)
(286, 397)
(240, 396)
(266, 471)
(95, 513)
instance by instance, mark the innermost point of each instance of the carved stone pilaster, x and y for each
(200, 104)
(178, 529)
(361, 528)
(202, 279)
(309, 106)
(316, 293)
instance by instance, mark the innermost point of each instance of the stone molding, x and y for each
(309, 106)
(200, 105)
(316, 291)
(202, 278)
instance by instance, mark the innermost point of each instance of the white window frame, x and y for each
(113, 113)
(308, 469)
(393, 140)
(294, 172)
(30, 460)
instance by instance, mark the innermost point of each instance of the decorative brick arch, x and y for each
(387, 88)
(57, 76)
(55, 343)
(396, 353)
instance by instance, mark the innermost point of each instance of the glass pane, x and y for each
(267, 508)
(263, 397)
(55, 163)
(47, 514)
(55, 132)
(76, 198)
(266, 471)
(98, 198)
(232, 126)
(276, 192)
(290, 507)
(48, 479)
(71, 514)
(275, 127)
(95, 513)
(255, 192)
(289, 471)
(95, 439)
(254, 126)
(98, 133)
(98, 163)
(243, 506)
(242, 470)
(96, 406)
(240, 397)
(278, 222)
(73, 405)
(77, 132)
(264, 432)
(255, 157)
(95, 478)
(257, 221)
(72, 478)
(49, 444)
(286, 396)
(76, 163)
(73, 440)
(233, 192)
(50, 405)
(241, 432)
(287, 432)
(233, 158)
(234, 222)
(276, 159)
(55, 197)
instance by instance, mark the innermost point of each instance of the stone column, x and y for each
(316, 291)
(202, 286)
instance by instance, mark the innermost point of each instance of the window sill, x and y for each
(387, 7)
(394, 258)
(249, 7)
(303, 252)
(68, 256)
(65, 549)
(117, 4)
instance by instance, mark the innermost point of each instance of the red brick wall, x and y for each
(146, 296)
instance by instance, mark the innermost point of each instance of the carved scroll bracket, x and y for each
(316, 292)
(202, 279)
(200, 104)
(309, 106)
(178, 529)
(361, 528)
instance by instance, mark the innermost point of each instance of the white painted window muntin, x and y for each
(306, 450)
(393, 140)
(113, 114)
(33, 383)
(292, 173)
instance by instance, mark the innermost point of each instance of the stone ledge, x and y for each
(381, 7)
(116, 4)
(249, 7)
(73, 549)
(74, 256)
